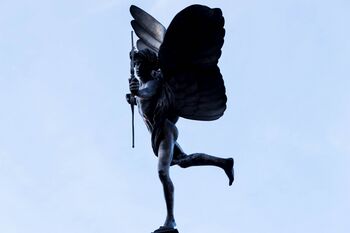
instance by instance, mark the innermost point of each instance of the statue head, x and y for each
(145, 62)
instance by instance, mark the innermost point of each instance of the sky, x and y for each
(66, 162)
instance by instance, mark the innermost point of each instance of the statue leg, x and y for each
(165, 155)
(201, 159)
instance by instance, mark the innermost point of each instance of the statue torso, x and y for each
(147, 107)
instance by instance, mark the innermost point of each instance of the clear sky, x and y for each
(66, 162)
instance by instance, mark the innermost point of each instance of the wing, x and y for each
(147, 28)
(188, 59)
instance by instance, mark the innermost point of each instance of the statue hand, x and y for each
(134, 86)
(130, 99)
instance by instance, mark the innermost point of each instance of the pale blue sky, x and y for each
(66, 163)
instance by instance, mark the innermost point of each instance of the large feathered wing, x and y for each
(188, 54)
(188, 58)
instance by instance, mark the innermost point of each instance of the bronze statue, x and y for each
(178, 77)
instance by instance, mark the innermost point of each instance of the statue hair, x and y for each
(148, 57)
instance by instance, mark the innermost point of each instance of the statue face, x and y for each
(137, 68)
(142, 70)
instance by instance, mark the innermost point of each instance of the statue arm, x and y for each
(148, 90)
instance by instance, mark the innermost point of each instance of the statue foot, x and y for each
(169, 223)
(229, 170)
(164, 229)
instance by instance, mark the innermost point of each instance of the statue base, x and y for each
(166, 230)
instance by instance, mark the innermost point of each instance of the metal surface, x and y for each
(180, 78)
(145, 36)
(132, 75)
(148, 23)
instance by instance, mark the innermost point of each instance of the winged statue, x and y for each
(178, 76)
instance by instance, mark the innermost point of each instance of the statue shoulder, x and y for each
(154, 84)
(157, 75)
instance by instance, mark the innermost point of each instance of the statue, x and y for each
(178, 76)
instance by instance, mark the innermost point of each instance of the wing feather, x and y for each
(145, 36)
(148, 29)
